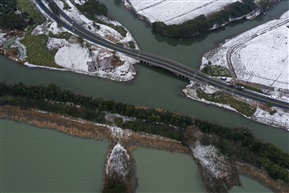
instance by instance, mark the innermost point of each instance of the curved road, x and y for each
(159, 61)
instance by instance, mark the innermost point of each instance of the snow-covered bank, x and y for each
(218, 172)
(175, 12)
(210, 159)
(77, 55)
(279, 118)
(117, 161)
(259, 55)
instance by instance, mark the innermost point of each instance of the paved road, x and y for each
(156, 60)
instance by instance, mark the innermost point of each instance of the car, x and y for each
(240, 87)
(223, 78)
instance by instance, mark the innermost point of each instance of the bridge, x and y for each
(155, 60)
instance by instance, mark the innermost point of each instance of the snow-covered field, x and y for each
(175, 11)
(88, 58)
(259, 55)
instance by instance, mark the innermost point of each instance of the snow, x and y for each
(211, 160)
(91, 59)
(117, 161)
(103, 30)
(176, 11)
(190, 91)
(56, 43)
(279, 119)
(80, 2)
(259, 55)
(63, 57)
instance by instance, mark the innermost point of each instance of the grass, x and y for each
(63, 35)
(37, 50)
(216, 70)
(117, 28)
(29, 7)
(224, 98)
(65, 5)
(131, 44)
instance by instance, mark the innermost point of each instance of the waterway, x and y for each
(44, 160)
(152, 87)
(162, 171)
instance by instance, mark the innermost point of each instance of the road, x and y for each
(155, 60)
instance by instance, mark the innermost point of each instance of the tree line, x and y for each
(92, 8)
(202, 23)
(11, 17)
(242, 145)
(237, 143)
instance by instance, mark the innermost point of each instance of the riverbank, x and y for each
(262, 177)
(129, 139)
(250, 109)
(188, 19)
(49, 45)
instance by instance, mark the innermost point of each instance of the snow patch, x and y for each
(117, 161)
(79, 2)
(64, 57)
(211, 160)
(278, 119)
(56, 43)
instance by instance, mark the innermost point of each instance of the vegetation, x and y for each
(250, 87)
(29, 7)
(11, 18)
(113, 186)
(121, 30)
(238, 144)
(131, 44)
(54, 8)
(227, 99)
(216, 70)
(202, 24)
(65, 5)
(92, 8)
(265, 4)
(37, 50)
(63, 35)
(93, 108)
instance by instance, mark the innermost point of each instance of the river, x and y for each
(152, 87)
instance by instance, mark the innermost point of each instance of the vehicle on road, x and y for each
(223, 78)
(240, 87)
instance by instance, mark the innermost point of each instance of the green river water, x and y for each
(42, 160)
